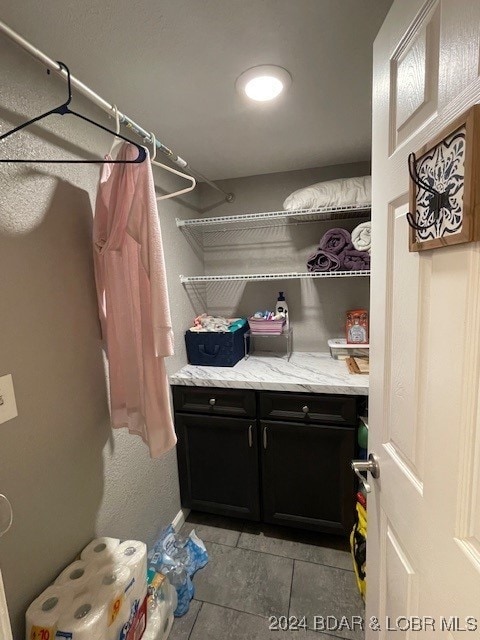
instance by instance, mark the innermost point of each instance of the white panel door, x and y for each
(423, 555)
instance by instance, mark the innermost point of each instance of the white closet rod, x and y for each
(107, 107)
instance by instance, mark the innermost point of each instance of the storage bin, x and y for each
(215, 349)
(339, 349)
(266, 327)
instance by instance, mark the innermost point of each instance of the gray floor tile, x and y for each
(245, 580)
(310, 547)
(183, 626)
(211, 528)
(217, 623)
(324, 591)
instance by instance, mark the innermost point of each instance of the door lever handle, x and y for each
(372, 465)
(250, 437)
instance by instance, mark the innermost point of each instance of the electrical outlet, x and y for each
(8, 406)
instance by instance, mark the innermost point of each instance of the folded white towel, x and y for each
(361, 237)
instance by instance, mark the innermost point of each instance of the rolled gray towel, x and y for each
(336, 241)
(342, 254)
(354, 260)
(323, 261)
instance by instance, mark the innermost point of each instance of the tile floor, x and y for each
(256, 571)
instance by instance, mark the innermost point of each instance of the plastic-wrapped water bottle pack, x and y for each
(178, 557)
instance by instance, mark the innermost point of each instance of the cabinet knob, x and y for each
(305, 409)
(212, 402)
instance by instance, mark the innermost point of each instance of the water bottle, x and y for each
(180, 580)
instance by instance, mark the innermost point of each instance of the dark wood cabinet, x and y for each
(278, 457)
(218, 465)
(307, 481)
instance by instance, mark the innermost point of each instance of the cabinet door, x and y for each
(218, 465)
(307, 481)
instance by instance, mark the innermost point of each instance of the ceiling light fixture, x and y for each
(263, 83)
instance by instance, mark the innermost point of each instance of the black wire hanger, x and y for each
(437, 200)
(63, 110)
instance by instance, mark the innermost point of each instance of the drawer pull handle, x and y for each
(250, 436)
(212, 402)
(305, 409)
(265, 441)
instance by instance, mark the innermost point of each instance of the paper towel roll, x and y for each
(100, 550)
(133, 554)
(84, 619)
(157, 623)
(111, 581)
(111, 584)
(78, 575)
(114, 631)
(44, 612)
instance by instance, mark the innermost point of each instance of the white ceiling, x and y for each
(171, 65)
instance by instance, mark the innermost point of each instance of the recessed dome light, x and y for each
(263, 83)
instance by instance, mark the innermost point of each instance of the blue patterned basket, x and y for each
(215, 349)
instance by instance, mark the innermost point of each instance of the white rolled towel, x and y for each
(361, 237)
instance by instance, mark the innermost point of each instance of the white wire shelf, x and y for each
(298, 216)
(274, 276)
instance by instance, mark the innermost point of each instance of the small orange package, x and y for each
(357, 326)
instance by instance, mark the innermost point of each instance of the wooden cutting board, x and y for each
(358, 365)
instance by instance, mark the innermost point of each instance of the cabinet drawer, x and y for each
(222, 402)
(330, 409)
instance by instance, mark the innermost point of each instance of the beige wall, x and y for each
(317, 307)
(66, 474)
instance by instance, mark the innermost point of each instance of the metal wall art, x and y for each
(445, 186)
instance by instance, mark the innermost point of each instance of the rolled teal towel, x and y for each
(238, 324)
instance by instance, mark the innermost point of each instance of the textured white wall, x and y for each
(317, 307)
(66, 474)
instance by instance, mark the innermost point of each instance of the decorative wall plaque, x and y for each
(445, 186)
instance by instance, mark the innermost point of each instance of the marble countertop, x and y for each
(305, 372)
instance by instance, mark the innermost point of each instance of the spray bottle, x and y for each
(282, 307)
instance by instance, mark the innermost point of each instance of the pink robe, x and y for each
(133, 300)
